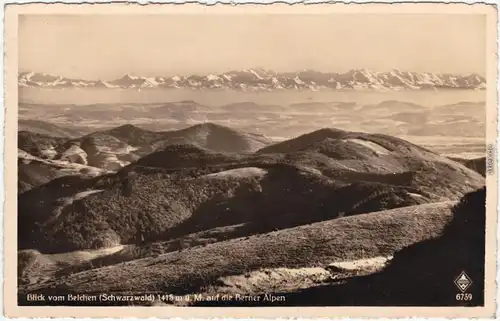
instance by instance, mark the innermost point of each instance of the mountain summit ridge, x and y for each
(259, 79)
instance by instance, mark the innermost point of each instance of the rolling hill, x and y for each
(217, 138)
(117, 147)
(356, 152)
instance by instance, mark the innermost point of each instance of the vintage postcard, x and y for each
(250, 161)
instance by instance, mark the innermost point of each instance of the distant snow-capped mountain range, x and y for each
(260, 79)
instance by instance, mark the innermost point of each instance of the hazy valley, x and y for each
(446, 121)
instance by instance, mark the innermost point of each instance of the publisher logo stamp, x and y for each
(463, 282)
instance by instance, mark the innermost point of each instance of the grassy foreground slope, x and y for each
(421, 274)
(318, 244)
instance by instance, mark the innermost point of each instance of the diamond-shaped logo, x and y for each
(463, 282)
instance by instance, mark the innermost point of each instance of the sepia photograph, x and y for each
(269, 157)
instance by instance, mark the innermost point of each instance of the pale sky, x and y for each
(109, 46)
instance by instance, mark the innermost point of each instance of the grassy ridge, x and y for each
(316, 244)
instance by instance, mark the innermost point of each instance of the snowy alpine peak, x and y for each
(260, 79)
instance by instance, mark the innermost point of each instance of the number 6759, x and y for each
(464, 296)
